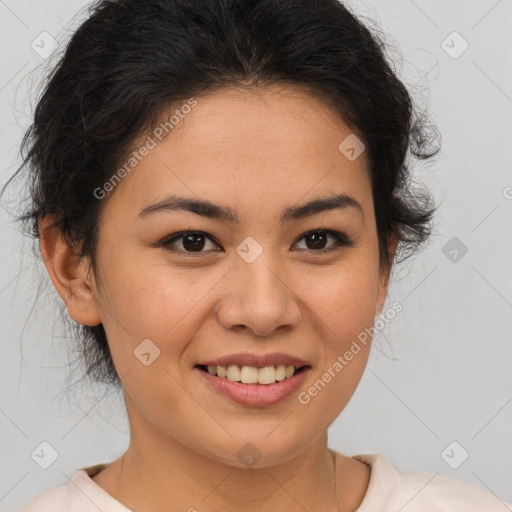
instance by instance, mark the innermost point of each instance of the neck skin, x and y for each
(158, 473)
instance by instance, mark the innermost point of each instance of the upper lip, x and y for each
(245, 359)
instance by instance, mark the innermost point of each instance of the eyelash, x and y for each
(342, 241)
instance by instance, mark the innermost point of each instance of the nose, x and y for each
(258, 298)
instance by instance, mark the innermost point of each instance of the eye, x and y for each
(190, 242)
(193, 242)
(318, 239)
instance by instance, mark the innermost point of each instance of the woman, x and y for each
(220, 193)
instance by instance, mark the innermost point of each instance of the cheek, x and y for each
(142, 299)
(152, 303)
(344, 299)
(344, 306)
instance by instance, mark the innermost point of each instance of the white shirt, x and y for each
(389, 490)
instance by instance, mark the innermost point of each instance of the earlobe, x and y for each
(385, 272)
(69, 273)
(382, 290)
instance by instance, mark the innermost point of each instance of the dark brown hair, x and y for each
(132, 59)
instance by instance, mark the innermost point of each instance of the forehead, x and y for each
(261, 146)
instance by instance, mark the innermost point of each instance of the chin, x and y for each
(259, 448)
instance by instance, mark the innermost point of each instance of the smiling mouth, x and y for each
(254, 375)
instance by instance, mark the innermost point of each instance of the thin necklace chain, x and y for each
(334, 484)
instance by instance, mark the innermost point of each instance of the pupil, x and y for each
(198, 245)
(319, 237)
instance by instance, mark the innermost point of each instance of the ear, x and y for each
(69, 272)
(384, 274)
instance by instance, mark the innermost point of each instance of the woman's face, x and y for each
(259, 285)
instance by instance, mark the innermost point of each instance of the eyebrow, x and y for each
(217, 212)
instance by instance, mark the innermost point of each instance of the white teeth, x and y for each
(280, 372)
(289, 371)
(249, 375)
(252, 374)
(233, 373)
(267, 375)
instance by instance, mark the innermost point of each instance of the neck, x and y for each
(158, 473)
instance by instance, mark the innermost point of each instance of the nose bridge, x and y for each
(258, 270)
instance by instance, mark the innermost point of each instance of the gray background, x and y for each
(439, 373)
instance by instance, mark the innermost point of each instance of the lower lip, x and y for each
(256, 395)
